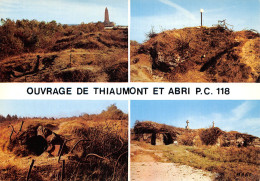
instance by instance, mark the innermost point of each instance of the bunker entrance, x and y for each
(161, 138)
(167, 139)
(36, 144)
(153, 139)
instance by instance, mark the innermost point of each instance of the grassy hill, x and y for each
(33, 51)
(197, 54)
(93, 147)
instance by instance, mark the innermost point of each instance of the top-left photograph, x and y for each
(64, 41)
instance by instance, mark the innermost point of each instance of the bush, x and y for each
(151, 34)
(24, 36)
(209, 136)
(113, 112)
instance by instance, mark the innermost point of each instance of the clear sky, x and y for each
(65, 11)
(169, 14)
(242, 116)
(56, 108)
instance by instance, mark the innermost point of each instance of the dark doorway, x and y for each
(167, 138)
(36, 144)
(153, 139)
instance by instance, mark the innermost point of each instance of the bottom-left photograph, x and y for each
(63, 140)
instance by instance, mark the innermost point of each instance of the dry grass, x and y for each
(230, 163)
(103, 157)
(82, 53)
(187, 138)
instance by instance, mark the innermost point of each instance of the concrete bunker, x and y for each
(161, 139)
(36, 145)
(155, 133)
(36, 140)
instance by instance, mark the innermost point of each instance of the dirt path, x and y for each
(144, 167)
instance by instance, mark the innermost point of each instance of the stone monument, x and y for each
(187, 127)
(107, 23)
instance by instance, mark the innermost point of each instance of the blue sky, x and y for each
(242, 116)
(56, 108)
(169, 14)
(65, 11)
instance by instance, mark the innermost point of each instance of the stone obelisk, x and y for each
(106, 21)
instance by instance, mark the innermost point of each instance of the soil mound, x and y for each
(198, 54)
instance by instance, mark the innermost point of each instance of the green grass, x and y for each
(230, 163)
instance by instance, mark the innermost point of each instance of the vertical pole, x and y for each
(21, 126)
(201, 18)
(61, 149)
(29, 173)
(63, 170)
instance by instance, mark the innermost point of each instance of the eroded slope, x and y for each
(198, 54)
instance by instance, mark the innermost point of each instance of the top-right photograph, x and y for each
(195, 41)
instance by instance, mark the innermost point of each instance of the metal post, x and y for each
(63, 170)
(21, 126)
(201, 19)
(29, 173)
(201, 11)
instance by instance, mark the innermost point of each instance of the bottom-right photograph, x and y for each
(195, 140)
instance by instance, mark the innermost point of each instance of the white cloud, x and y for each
(235, 120)
(179, 8)
(241, 111)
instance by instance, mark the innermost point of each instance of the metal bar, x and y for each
(201, 19)
(29, 173)
(63, 170)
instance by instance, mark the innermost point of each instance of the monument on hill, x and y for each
(107, 23)
(187, 127)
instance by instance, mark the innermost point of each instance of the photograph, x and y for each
(194, 140)
(64, 41)
(195, 41)
(63, 140)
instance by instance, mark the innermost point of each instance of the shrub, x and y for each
(151, 33)
(113, 112)
(209, 136)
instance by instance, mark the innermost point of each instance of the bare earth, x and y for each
(145, 168)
